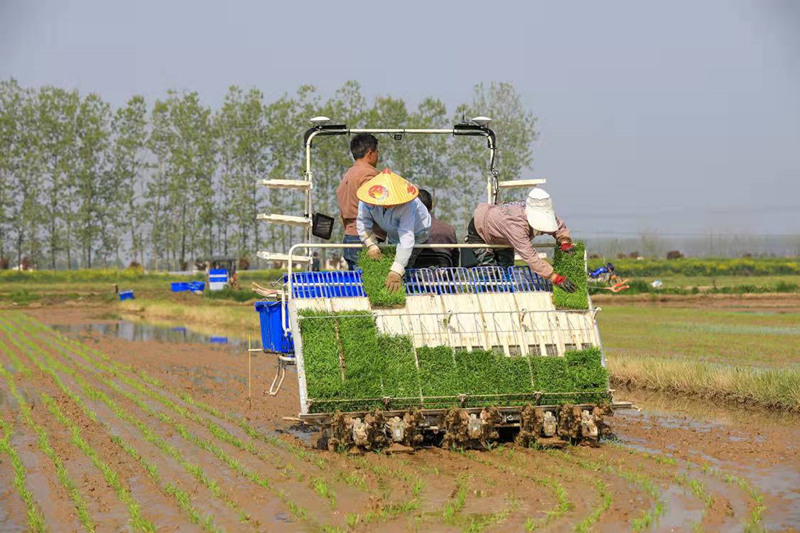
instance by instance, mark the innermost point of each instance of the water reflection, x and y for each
(142, 331)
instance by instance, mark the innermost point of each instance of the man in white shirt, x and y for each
(391, 202)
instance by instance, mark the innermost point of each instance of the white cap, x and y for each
(539, 210)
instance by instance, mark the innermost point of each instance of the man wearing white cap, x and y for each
(391, 202)
(516, 224)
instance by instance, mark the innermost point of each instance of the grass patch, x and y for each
(774, 388)
(374, 277)
(573, 267)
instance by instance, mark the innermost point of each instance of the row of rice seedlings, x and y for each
(111, 476)
(274, 441)
(35, 518)
(27, 348)
(477, 522)
(587, 522)
(603, 492)
(563, 503)
(217, 431)
(44, 445)
(321, 487)
(16, 364)
(647, 517)
(181, 497)
(194, 469)
(753, 522)
(388, 511)
(457, 502)
(205, 444)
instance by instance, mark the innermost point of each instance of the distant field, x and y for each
(719, 336)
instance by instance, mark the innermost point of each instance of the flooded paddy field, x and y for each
(144, 433)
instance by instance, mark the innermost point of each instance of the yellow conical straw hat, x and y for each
(387, 188)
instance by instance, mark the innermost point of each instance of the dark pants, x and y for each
(351, 254)
(503, 257)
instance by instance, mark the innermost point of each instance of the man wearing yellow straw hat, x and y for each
(391, 202)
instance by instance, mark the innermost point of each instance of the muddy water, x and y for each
(758, 446)
(144, 331)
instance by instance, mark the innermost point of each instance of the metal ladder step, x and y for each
(515, 184)
(285, 219)
(299, 185)
(274, 256)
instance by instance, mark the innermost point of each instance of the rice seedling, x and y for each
(373, 275)
(195, 470)
(605, 502)
(34, 514)
(324, 490)
(563, 502)
(44, 445)
(111, 476)
(457, 502)
(573, 267)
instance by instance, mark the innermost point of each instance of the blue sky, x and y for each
(679, 117)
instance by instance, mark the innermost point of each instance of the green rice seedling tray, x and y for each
(573, 267)
(373, 276)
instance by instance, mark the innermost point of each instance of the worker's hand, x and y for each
(374, 253)
(394, 281)
(567, 247)
(563, 283)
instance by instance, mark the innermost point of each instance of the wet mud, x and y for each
(184, 411)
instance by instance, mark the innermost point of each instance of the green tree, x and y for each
(129, 167)
(56, 120)
(94, 192)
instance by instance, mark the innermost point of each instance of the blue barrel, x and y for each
(272, 337)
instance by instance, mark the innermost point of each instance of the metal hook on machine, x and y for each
(280, 375)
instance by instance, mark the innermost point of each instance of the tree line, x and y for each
(83, 184)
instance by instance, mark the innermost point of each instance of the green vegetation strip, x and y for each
(44, 444)
(574, 268)
(703, 266)
(350, 367)
(774, 388)
(373, 275)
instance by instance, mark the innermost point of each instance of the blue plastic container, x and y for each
(272, 337)
(197, 286)
(218, 340)
(126, 295)
(335, 284)
(180, 286)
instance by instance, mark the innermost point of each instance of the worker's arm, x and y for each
(517, 232)
(563, 238)
(364, 224)
(405, 232)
